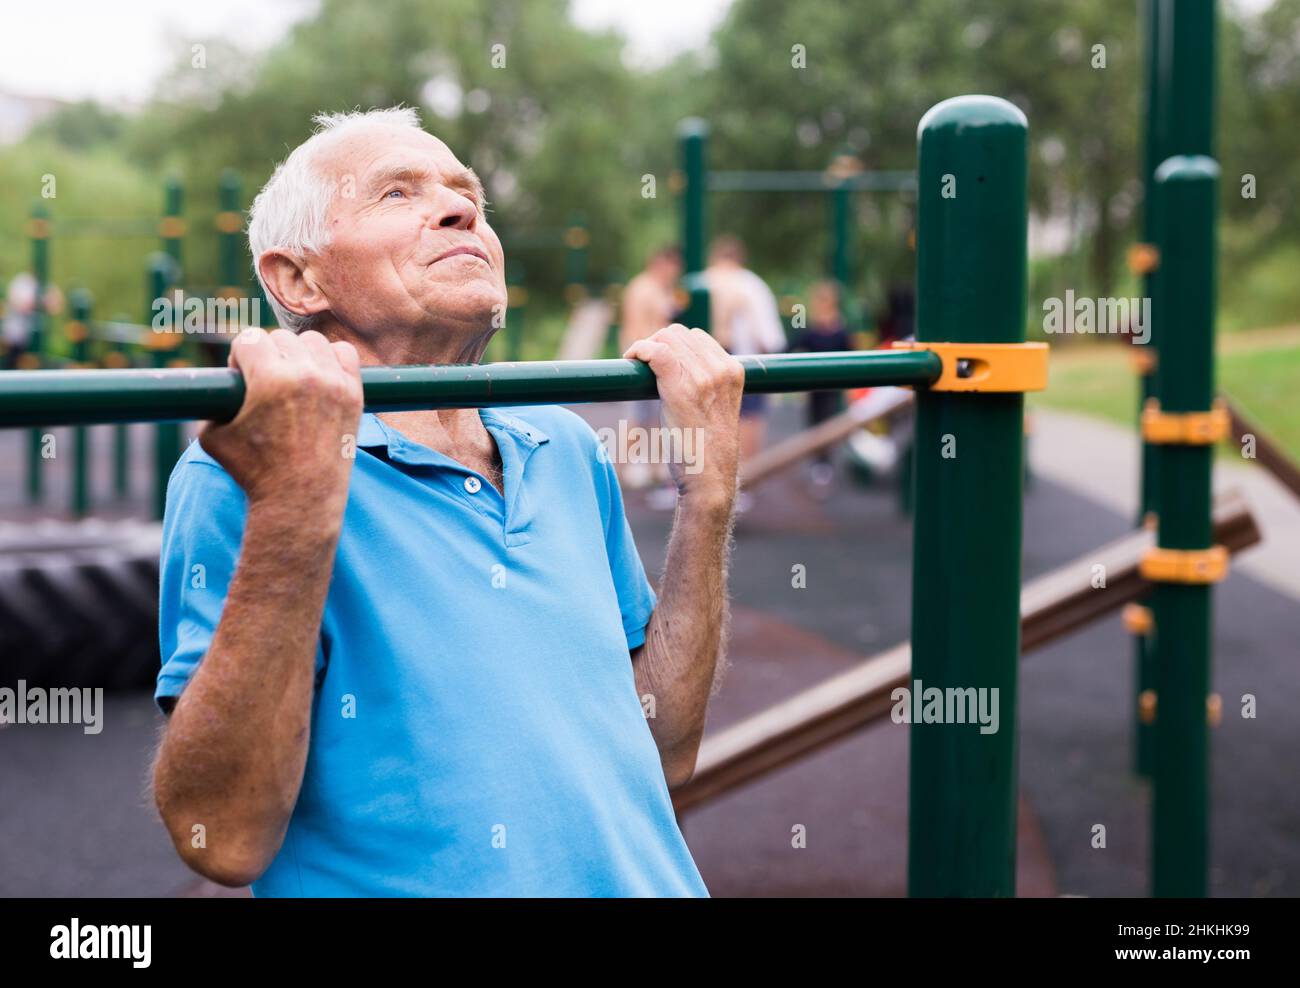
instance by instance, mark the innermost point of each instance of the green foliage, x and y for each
(568, 128)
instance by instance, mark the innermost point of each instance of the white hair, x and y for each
(291, 211)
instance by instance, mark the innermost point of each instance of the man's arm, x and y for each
(700, 385)
(233, 754)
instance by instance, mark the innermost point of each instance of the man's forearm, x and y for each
(685, 639)
(236, 744)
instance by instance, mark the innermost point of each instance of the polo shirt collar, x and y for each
(505, 428)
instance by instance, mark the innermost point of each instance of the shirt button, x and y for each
(473, 484)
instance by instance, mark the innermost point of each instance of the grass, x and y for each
(1258, 370)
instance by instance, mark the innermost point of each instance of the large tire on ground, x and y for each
(79, 604)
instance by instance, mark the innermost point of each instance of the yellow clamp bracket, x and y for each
(74, 331)
(1137, 620)
(1143, 258)
(37, 228)
(171, 227)
(1184, 428)
(1147, 708)
(230, 222)
(162, 341)
(1143, 359)
(1184, 565)
(988, 367)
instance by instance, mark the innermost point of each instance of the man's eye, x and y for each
(394, 192)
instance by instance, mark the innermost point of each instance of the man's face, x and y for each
(410, 248)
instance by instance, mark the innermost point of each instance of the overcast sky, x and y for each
(113, 50)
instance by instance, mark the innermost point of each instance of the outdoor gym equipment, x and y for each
(843, 178)
(970, 368)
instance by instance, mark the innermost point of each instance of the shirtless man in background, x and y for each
(745, 319)
(649, 304)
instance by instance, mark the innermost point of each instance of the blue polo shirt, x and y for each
(476, 728)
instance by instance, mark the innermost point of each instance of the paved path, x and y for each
(1101, 461)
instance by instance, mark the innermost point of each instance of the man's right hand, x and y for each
(294, 438)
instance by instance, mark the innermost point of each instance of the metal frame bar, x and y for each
(49, 398)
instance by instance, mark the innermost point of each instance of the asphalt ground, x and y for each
(75, 818)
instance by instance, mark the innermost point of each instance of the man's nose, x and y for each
(453, 211)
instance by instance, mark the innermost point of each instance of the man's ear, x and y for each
(290, 280)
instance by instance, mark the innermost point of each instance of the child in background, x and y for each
(825, 332)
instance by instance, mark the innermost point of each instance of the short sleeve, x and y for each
(636, 598)
(202, 527)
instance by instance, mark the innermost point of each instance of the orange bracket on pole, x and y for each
(987, 367)
(1184, 428)
(1184, 565)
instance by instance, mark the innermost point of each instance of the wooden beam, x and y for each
(834, 430)
(1268, 453)
(1051, 606)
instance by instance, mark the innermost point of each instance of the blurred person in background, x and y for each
(19, 318)
(826, 332)
(649, 304)
(20, 315)
(745, 319)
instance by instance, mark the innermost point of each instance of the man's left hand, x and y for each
(700, 385)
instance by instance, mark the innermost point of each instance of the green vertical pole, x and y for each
(1154, 139)
(172, 227)
(693, 138)
(230, 225)
(77, 331)
(841, 247)
(1188, 189)
(167, 435)
(576, 239)
(972, 204)
(40, 230)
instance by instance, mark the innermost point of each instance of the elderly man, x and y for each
(417, 653)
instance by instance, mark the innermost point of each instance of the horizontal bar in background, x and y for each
(810, 181)
(86, 397)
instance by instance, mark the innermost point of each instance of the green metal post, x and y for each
(576, 239)
(1188, 188)
(40, 230)
(972, 204)
(841, 247)
(167, 435)
(1154, 31)
(230, 224)
(172, 227)
(693, 138)
(77, 331)
(1179, 121)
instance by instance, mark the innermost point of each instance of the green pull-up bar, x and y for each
(49, 398)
